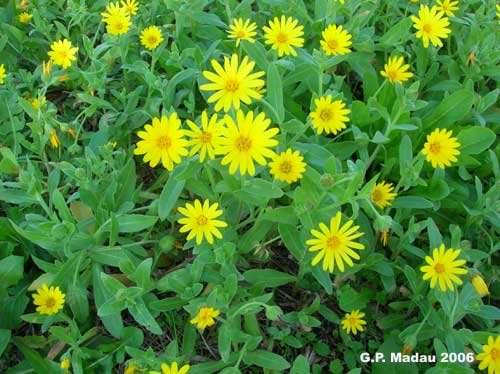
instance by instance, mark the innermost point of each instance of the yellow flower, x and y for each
(162, 140)
(395, 71)
(63, 77)
(65, 364)
(205, 317)
(470, 59)
(440, 148)
(329, 116)
(336, 40)
(498, 14)
(284, 35)
(24, 17)
(247, 140)
(242, 31)
(383, 237)
(23, 4)
(47, 67)
(71, 132)
(381, 194)
(49, 300)
(54, 140)
(490, 356)
(2, 73)
(448, 6)
(233, 84)
(480, 286)
(431, 25)
(353, 322)
(131, 6)
(151, 37)
(206, 139)
(287, 166)
(335, 244)
(37, 103)
(443, 267)
(117, 19)
(62, 53)
(173, 369)
(201, 221)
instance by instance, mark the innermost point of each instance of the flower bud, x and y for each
(480, 285)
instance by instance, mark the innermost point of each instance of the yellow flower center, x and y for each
(333, 242)
(286, 167)
(201, 220)
(333, 44)
(240, 34)
(50, 303)
(232, 85)
(494, 354)
(282, 37)
(63, 54)
(206, 137)
(376, 195)
(439, 268)
(243, 144)
(119, 25)
(164, 142)
(152, 39)
(435, 147)
(392, 75)
(427, 28)
(326, 115)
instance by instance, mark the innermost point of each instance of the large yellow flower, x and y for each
(62, 53)
(443, 267)
(2, 73)
(335, 244)
(490, 356)
(431, 25)
(130, 6)
(382, 194)
(163, 140)
(336, 40)
(440, 148)
(242, 31)
(396, 70)
(117, 19)
(49, 300)
(284, 35)
(448, 6)
(247, 140)
(287, 166)
(206, 139)
(205, 317)
(200, 221)
(151, 37)
(329, 116)
(172, 369)
(233, 83)
(353, 322)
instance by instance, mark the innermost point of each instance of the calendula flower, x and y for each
(242, 31)
(130, 6)
(284, 35)
(162, 140)
(443, 267)
(431, 25)
(353, 322)
(381, 194)
(117, 19)
(396, 70)
(448, 6)
(205, 317)
(151, 37)
(336, 40)
(24, 17)
(62, 53)
(3, 75)
(233, 83)
(49, 300)
(205, 139)
(480, 285)
(329, 116)
(65, 364)
(37, 103)
(490, 356)
(288, 166)
(200, 221)
(54, 140)
(246, 141)
(440, 148)
(335, 244)
(46, 67)
(172, 369)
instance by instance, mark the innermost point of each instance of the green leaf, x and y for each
(411, 202)
(135, 222)
(284, 214)
(4, 339)
(37, 363)
(291, 238)
(323, 277)
(165, 305)
(169, 196)
(349, 299)
(275, 92)
(270, 277)
(224, 341)
(266, 360)
(300, 366)
(452, 109)
(11, 270)
(397, 34)
(475, 140)
(144, 317)
(257, 53)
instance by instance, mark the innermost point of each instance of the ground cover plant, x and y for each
(256, 186)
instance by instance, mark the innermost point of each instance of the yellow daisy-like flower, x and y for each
(37, 103)
(335, 244)
(336, 40)
(233, 83)
(431, 25)
(201, 221)
(151, 37)
(24, 17)
(381, 194)
(480, 285)
(117, 19)
(162, 140)
(54, 140)
(288, 166)
(172, 369)
(130, 6)
(284, 35)
(490, 356)
(49, 300)
(329, 116)
(353, 322)
(443, 267)
(242, 31)
(3, 75)
(206, 139)
(247, 140)
(440, 148)
(396, 70)
(448, 6)
(62, 53)
(205, 317)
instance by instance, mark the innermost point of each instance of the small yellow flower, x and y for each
(329, 116)
(54, 140)
(448, 6)
(132, 369)
(288, 166)
(242, 31)
(49, 300)
(24, 17)
(480, 285)
(200, 221)
(395, 71)
(62, 53)
(131, 6)
(381, 194)
(172, 369)
(490, 356)
(65, 364)
(151, 37)
(63, 77)
(23, 4)
(47, 67)
(116, 18)
(283, 35)
(336, 40)
(440, 148)
(206, 139)
(205, 317)
(353, 322)
(37, 103)
(406, 349)
(2, 73)
(72, 132)
(431, 25)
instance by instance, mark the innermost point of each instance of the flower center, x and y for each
(392, 75)
(427, 28)
(376, 195)
(243, 144)
(282, 37)
(240, 34)
(206, 137)
(435, 147)
(352, 321)
(164, 142)
(326, 115)
(333, 242)
(286, 167)
(63, 54)
(333, 44)
(232, 85)
(494, 354)
(201, 220)
(152, 39)
(439, 268)
(51, 302)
